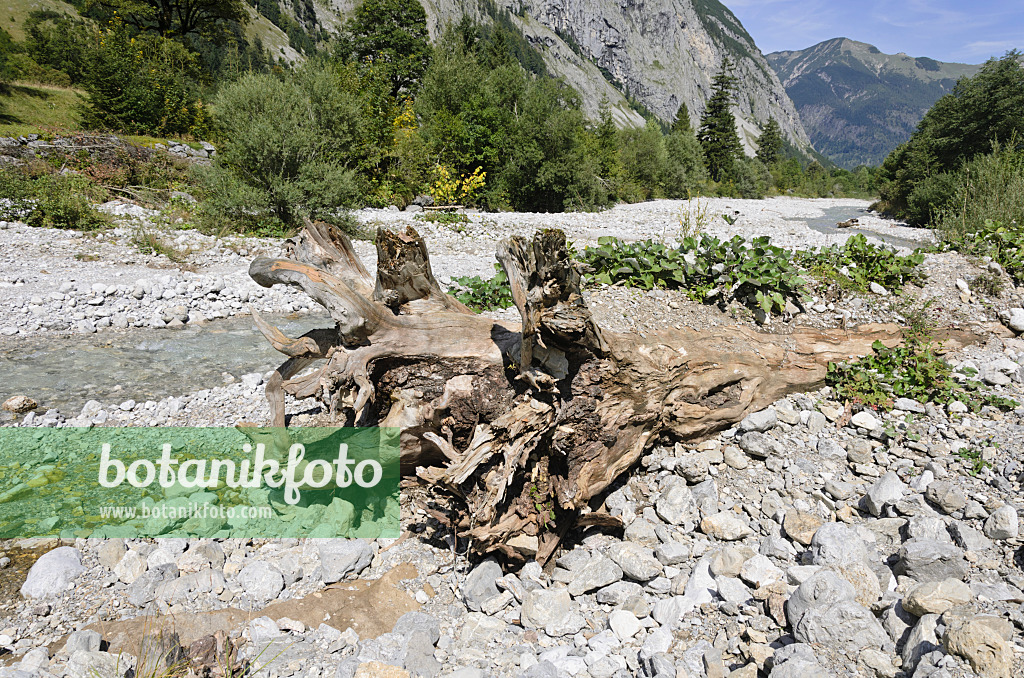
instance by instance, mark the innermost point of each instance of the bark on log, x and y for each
(524, 424)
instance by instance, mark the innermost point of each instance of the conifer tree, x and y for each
(717, 133)
(682, 121)
(769, 144)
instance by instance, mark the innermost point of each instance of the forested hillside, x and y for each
(856, 103)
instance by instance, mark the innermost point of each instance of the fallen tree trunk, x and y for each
(525, 424)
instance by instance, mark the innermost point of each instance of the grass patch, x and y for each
(149, 241)
(39, 109)
(14, 13)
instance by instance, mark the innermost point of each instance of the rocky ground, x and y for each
(803, 542)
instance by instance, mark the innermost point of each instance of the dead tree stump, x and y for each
(524, 424)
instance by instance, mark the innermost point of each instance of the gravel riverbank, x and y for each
(799, 543)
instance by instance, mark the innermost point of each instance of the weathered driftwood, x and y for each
(526, 424)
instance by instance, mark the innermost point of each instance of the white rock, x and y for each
(624, 623)
(1003, 523)
(760, 571)
(1016, 320)
(865, 420)
(53, 573)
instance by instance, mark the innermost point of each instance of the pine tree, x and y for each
(682, 121)
(769, 144)
(717, 132)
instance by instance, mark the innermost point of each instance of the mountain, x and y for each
(856, 103)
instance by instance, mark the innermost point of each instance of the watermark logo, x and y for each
(246, 482)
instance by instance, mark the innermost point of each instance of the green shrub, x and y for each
(1005, 244)
(142, 85)
(685, 173)
(58, 43)
(228, 204)
(911, 370)
(989, 188)
(930, 197)
(50, 199)
(750, 179)
(288, 142)
(63, 201)
(759, 275)
(865, 263)
(16, 193)
(643, 159)
(485, 295)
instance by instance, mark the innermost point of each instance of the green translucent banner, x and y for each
(199, 482)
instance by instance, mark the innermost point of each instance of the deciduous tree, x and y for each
(176, 18)
(390, 36)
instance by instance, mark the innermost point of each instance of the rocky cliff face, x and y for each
(661, 53)
(858, 103)
(646, 54)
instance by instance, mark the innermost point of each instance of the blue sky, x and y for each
(966, 31)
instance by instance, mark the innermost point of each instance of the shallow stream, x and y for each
(833, 215)
(140, 364)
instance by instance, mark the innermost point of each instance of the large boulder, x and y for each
(53, 573)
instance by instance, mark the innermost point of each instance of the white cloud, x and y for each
(988, 47)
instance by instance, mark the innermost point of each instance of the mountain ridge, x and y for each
(858, 103)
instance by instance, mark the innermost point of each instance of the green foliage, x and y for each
(63, 201)
(769, 144)
(528, 134)
(988, 188)
(1005, 244)
(51, 200)
(866, 263)
(718, 126)
(913, 370)
(646, 264)
(759, 275)
(972, 455)
(174, 18)
(485, 295)
(959, 127)
(59, 42)
(685, 173)
(643, 160)
(748, 178)
(6, 50)
(681, 124)
(142, 85)
(389, 37)
(289, 144)
(17, 191)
